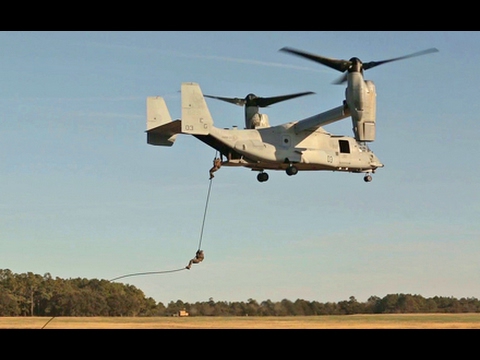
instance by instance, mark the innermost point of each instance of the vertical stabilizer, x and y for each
(196, 118)
(161, 130)
(157, 112)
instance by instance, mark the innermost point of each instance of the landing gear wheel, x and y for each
(262, 177)
(367, 178)
(291, 170)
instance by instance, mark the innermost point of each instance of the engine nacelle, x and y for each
(362, 103)
(257, 121)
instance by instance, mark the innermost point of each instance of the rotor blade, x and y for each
(372, 64)
(340, 80)
(340, 65)
(253, 100)
(235, 101)
(264, 102)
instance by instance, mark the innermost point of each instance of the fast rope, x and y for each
(146, 273)
(205, 213)
(199, 242)
(206, 202)
(167, 271)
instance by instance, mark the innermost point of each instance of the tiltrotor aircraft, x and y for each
(301, 145)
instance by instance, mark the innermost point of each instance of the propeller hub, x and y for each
(355, 65)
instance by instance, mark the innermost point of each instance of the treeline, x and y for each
(29, 294)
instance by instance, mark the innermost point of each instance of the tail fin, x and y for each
(196, 118)
(157, 112)
(161, 130)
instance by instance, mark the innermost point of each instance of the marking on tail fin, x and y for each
(196, 118)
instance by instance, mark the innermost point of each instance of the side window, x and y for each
(344, 146)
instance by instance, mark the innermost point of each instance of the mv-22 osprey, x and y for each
(294, 146)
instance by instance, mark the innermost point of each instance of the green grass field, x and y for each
(390, 321)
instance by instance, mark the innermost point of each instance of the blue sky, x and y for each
(83, 194)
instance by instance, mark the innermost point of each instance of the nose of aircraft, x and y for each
(375, 161)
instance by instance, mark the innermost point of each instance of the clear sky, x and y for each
(82, 195)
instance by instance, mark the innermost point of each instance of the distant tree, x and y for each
(238, 308)
(173, 308)
(388, 304)
(407, 303)
(156, 309)
(431, 306)
(371, 305)
(221, 308)
(317, 308)
(286, 308)
(267, 308)
(301, 308)
(349, 307)
(8, 303)
(30, 294)
(469, 305)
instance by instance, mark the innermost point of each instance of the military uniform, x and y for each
(199, 256)
(216, 165)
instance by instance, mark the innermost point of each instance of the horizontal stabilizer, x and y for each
(164, 135)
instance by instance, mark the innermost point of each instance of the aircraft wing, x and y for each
(322, 119)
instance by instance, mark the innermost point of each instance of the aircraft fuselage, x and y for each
(278, 147)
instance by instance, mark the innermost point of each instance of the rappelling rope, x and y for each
(206, 207)
(199, 242)
(167, 271)
(128, 275)
(146, 273)
(205, 214)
